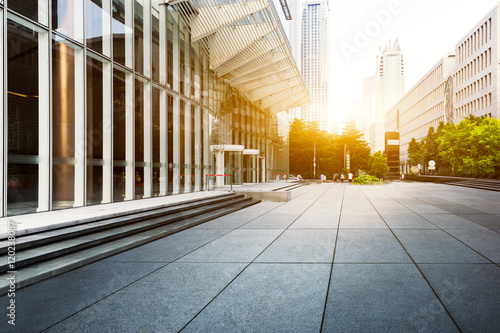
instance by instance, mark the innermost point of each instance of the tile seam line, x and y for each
(159, 268)
(244, 269)
(333, 261)
(415, 264)
(446, 232)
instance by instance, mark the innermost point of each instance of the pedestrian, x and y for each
(335, 178)
(284, 176)
(349, 176)
(342, 178)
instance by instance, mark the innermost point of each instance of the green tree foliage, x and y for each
(472, 146)
(329, 149)
(378, 165)
(415, 152)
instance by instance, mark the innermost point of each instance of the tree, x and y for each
(415, 152)
(378, 165)
(472, 146)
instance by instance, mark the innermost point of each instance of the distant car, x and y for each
(292, 178)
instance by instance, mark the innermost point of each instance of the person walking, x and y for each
(335, 178)
(342, 178)
(349, 176)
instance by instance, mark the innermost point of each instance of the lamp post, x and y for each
(314, 161)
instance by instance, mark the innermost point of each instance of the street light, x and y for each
(314, 161)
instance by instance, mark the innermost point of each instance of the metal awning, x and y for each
(247, 47)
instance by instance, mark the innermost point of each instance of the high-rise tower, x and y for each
(314, 60)
(389, 88)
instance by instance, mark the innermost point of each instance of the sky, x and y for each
(426, 30)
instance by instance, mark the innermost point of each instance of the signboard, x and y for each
(432, 165)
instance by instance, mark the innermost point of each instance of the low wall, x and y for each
(273, 196)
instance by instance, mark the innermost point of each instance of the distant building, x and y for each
(368, 100)
(314, 60)
(421, 107)
(460, 84)
(389, 88)
(475, 82)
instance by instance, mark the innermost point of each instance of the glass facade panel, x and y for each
(67, 79)
(119, 135)
(170, 140)
(22, 118)
(182, 151)
(35, 10)
(97, 25)
(191, 127)
(123, 32)
(113, 130)
(139, 139)
(139, 36)
(155, 45)
(95, 130)
(67, 18)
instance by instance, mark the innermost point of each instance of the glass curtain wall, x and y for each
(123, 91)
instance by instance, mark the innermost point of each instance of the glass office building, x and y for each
(114, 100)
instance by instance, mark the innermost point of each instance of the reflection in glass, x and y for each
(139, 139)
(67, 18)
(122, 32)
(97, 22)
(31, 9)
(170, 51)
(139, 36)
(22, 114)
(155, 46)
(119, 102)
(64, 74)
(95, 134)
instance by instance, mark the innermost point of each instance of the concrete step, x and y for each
(78, 242)
(478, 185)
(40, 271)
(107, 222)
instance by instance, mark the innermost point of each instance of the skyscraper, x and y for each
(389, 88)
(314, 60)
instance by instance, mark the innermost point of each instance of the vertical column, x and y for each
(187, 148)
(148, 141)
(129, 137)
(163, 143)
(219, 167)
(176, 115)
(177, 146)
(80, 133)
(197, 144)
(3, 117)
(45, 122)
(107, 132)
(206, 145)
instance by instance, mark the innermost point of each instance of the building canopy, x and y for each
(247, 46)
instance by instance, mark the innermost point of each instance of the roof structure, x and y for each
(247, 46)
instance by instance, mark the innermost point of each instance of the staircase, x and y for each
(41, 255)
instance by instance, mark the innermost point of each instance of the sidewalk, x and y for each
(415, 257)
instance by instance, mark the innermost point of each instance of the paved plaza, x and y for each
(399, 257)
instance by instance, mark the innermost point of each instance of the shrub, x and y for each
(367, 180)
